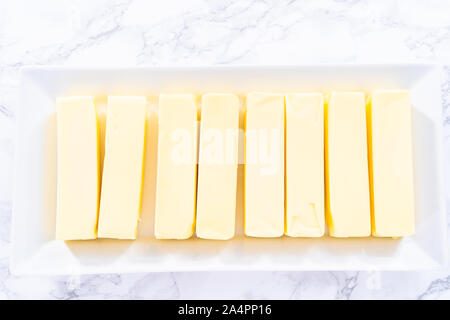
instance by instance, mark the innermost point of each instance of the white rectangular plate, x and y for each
(34, 250)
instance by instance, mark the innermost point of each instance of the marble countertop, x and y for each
(200, 32)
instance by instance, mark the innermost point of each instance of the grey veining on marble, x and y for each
(200, 32)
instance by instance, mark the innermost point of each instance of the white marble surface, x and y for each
(200, 32)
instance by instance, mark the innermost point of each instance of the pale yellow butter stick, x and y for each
(218, 163)
(391, 163)
(264, 165)
(176, 167)
(121, 190)
(347, 173)
(305, 212)
(77, 169)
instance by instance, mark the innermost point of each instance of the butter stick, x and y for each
(121, 191)
(347, 173)
(305, 213)
(218, 163)
(264, 165)
(391, 164)
(177, 167)
(77, 169)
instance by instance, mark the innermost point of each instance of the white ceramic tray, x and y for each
(34, 250)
